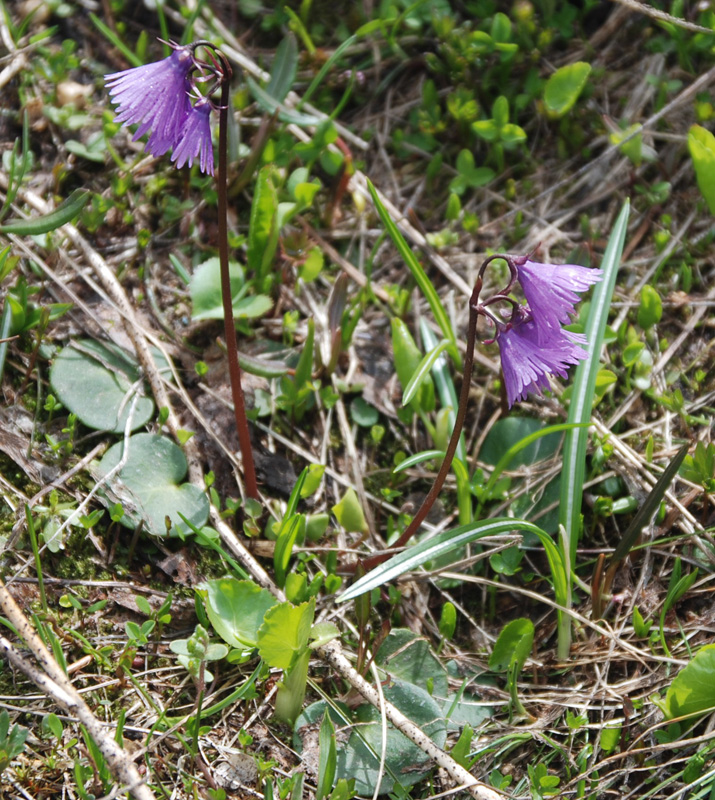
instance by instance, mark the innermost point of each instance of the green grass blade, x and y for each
(445, 386)
(418, 458)
(576, 440)
(418, 273)
(422, 370)
(285, 67)
(109, 34)
(585, 382)
(504, 461)
(365, 30)
(5, 325)
(649, 507)
(66, 211)
(449, 541)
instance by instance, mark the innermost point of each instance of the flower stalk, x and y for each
(234, 368)
(532, 345)
(158, 98)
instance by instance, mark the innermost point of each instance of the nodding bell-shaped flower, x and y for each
(551, 292)
(195, 138)
(527, 362)
(156, 97)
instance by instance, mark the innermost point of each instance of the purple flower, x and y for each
(195, 138)
(551, 292)
(526, 362)
(155, 97)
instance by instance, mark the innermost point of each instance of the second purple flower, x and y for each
(532, 342)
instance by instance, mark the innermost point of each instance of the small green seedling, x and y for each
(511, 650)
(12, 740)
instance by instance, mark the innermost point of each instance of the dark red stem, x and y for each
(234, 369)
(419, 518)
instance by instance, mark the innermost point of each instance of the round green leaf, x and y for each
(205, 290)
(149, 488)
(513, 645)
(564, 87)
(359, 757)
(693, 689)
(362, 413)
(236, 609)
(651, 307)
(97, 382)
(408, 657)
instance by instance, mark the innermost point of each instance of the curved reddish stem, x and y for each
(234, 369)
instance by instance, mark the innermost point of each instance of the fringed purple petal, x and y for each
(154, 96)
(527, 362)
(195, 139)
(551, 292)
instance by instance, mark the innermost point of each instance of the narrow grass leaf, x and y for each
(449, 541)
(271, 106)
(418, 458)
(65, 212)
(5, 325)
(649, 507)
(445, 386)
(285, 66)
(328, 758)
(505, 460)
(584, 386)
(116, 40)
(584, 390)
(336, 54)
(423, 369)
(430, 293)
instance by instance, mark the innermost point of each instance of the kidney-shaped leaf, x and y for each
(359, 757)
(150, 483)
(236, 609)
(408, 657)
(97, 382)
(205, 290)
